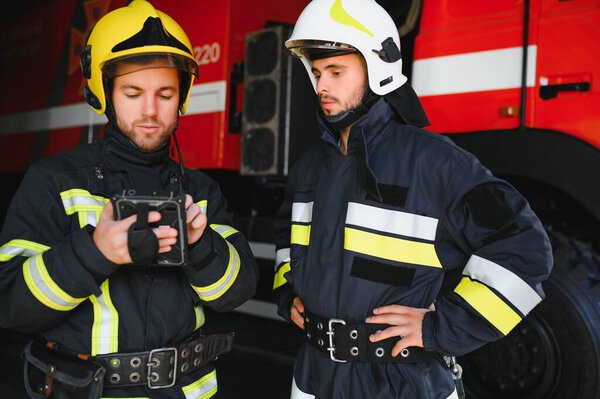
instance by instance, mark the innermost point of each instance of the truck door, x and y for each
(568, 99)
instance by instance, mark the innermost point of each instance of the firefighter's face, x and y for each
(146, 103)
(341, 82)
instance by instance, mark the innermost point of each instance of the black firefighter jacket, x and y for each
(383, 225)
(54, 280)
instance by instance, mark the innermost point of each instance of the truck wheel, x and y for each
(555, 351)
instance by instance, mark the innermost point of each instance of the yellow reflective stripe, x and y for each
(223, 229)
(199, 311)
(20, 247)
(204, 388)
(396, 249)
(279, 278)
(338, 14)
(300, 234)
(488, 304)
(79, 200)
(203, 205)
(218, 288)
(504, 281)
(42, 286)
(105, 329)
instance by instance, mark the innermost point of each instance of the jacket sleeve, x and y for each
(222, 270)
(47, 268)
(507, 256)
(282, 289)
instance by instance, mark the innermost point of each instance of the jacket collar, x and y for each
(365, 131)
(120, 151)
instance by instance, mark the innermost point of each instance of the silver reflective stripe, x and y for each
(302, 212)
(511, 286)
(203, 206)
(20, 247)
(297, 393)
(78, 200)
(282, 256)
(453, 395)
(204, 388)
(218, 288)
(42, 286)
(106, 323)
(395, 222)
(223, 230)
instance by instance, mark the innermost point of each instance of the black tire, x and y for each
(555, 352)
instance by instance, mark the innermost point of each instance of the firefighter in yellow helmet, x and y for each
(377, 214)
(116, 302)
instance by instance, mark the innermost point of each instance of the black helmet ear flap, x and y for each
(91, 99)
(390, 52)
(85, 59)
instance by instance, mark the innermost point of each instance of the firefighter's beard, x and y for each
(148, 134)
(350, 104)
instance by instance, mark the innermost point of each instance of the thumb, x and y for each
(108, 212)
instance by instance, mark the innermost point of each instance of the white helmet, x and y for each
(343, 26)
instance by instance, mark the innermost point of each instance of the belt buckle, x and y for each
(155, 362)
(331, 347)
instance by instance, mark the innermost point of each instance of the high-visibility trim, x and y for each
(203, 205)
(79, 200)
(390, 248)
(391, 221)
(21, 247)
(42, 286)
(200, 318)
(279, 279)
(205, 387)
(282, 256)
(473, 72)
(338, 14)
(87, 206)
(217, 289)
(105, 329)
(488, 305)
(302, 212)
(129, 397)
(300, 234)
(511, 286)
(224, 230)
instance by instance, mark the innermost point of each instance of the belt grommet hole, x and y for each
(404, 352)
(114, 378)
(354, 351)
(135, 377)
(135, 362)
(320, 342)
(379, 352)
(353, 334)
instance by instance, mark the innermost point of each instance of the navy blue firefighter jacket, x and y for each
(383, 225)
(54, 281)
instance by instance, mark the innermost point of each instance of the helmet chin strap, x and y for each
(348, 117)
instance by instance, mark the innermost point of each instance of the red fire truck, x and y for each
(512, 81)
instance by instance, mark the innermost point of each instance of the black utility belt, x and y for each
(159, 368)
(350, 342)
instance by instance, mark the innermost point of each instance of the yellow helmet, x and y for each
(129, 33)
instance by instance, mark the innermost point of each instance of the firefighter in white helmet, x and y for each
(117, 305)
(377, 214)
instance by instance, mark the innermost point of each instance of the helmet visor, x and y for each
(133, 63)
(316, 49)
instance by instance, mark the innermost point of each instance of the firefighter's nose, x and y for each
(150, 106)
